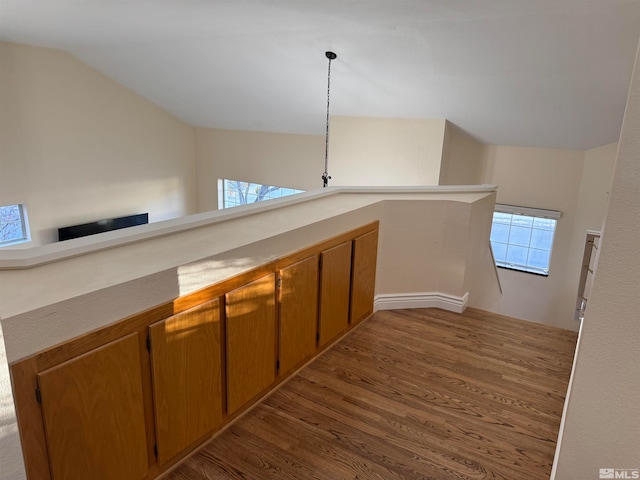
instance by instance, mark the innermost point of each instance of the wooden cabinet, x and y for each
(128, 400)
(298, 313)
(93, 413)
(363, 276)
(187, 379)
(251, 341)
(335, 280)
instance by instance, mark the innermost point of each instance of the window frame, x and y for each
(24, 223)
(222, 196)
(533, 213)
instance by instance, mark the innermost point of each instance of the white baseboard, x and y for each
(394, 301)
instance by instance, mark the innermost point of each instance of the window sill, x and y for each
(539, 274)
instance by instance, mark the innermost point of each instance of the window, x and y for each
(232, 193)
(522, 238)
(13, 225)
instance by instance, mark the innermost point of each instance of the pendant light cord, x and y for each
(325, 175)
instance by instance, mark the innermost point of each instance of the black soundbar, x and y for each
(100, 226)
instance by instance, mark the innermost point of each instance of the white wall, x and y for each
(462, 158)
(592, 202)
(385, 151)
(481, 277)
(412, 152)
(75, 146)
(549, 179)
(34, 314)
(602, 419)
(595, 186)
(425, 247)
(285, 160)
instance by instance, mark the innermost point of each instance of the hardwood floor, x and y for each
(410, 394)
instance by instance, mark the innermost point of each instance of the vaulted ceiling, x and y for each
(546, 73)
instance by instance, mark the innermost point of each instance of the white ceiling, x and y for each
(546, 73)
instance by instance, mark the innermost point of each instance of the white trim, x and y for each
(531, 212)
(495, 268)
(565, 408)
(24, 220)
(220, 194)
(394, 301)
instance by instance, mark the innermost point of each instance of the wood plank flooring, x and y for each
(410, 394)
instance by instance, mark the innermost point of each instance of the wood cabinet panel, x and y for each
(29, 412)
(251, 341)
(105, 401)
(363, 276)
(335, 279)
(187, 380)
(93, 414)
(298, 313)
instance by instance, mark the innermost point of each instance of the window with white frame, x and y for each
(13, 225)
(232, 193)
(522, 238)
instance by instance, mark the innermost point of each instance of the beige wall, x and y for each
(602, 420)
(481, 277)
(592, 202)
(426, 246)
(462, 158)
(406, 152)
(285, 160)
(549, 179)
(27, 291)
(75, 146)
(595, 186)
(385, 151)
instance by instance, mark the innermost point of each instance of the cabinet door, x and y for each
(335, 279)
(363, 278)
(93, 414)
(298, 313)
(187, 385)
(251, 341)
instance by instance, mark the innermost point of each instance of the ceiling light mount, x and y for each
(325, 175)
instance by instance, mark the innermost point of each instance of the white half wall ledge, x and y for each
(25, 258)
(397, 301)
